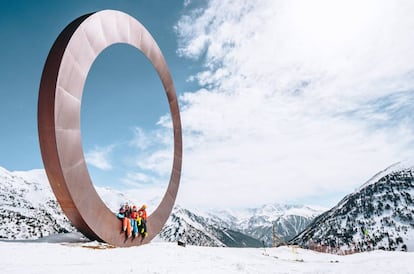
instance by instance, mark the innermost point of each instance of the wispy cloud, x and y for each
(297, 100)
(147, 139)
(280, 80)
(141, 139)
(137, 179)
(99, 157)
(144, 160)
(154, 150)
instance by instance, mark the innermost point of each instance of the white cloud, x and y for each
(289, 104)
(186, 3)
(158, 162)
(99, 157)
(154, 152)
(136, 179)
(147, 139)
(141, 140)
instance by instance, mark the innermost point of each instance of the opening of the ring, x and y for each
(124, 128)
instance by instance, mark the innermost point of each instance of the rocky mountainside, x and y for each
(379, 215)
(194, 229)
(29, 210)
(285, 220)
(238, 228)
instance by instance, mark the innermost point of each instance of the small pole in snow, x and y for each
(264, 248)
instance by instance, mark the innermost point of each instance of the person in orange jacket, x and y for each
(142, 221)
(142, 212)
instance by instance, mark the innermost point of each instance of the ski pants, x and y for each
(142, 228)
(134, 226)
(126, 225)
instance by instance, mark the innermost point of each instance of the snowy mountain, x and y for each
(378, 215)
(195, 229)
(286, 220)
(29, 210)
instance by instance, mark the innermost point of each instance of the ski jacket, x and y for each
(144, 213)
(128, 213)
(134, 215)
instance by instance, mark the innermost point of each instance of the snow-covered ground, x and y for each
(66, 256)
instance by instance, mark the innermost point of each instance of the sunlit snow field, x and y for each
(160, 257)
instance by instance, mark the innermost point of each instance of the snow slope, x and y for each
(161, 257)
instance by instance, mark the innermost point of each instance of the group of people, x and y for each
(134, 220)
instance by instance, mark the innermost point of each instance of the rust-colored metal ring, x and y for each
(59, 108)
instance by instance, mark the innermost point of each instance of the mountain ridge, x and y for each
(378, 215)
(29, 210)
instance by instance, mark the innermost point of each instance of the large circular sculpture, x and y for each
(59, 107)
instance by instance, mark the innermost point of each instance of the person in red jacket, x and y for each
(134, 216)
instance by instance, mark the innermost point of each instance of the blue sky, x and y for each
(281, 101)
(28, 30)
(122, 94)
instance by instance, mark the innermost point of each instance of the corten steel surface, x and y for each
(59, 108)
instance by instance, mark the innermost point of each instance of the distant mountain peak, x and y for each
(401, 165)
